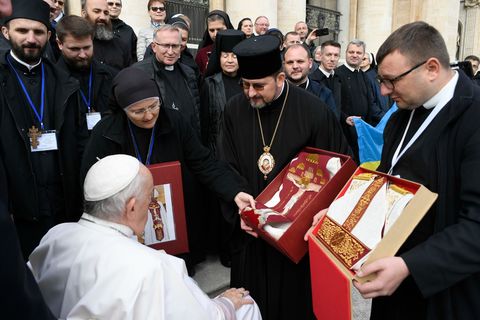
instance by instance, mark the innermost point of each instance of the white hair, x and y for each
(112, 208)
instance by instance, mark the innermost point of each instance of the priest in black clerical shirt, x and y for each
(357, 94)
(75, 39)
(177, 82)
(41, 133)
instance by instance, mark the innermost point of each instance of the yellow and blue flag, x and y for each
(370, 140)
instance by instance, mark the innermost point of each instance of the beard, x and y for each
(257, 105)
(81, 66)
(103, 31)
(27, 56)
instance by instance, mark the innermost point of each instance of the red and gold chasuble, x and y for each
(306, 175)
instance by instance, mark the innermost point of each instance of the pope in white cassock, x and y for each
(96, 269)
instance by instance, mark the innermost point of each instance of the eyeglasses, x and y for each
(158, 9)
(390, 83)
(60, 3)
(263, 24)
(142, 112)
(166, 46)
(114, 4)
(256, 86)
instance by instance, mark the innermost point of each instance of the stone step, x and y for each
(212, 276)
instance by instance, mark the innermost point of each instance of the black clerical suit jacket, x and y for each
(15, 144)
(445, 264)
(151, 66)
(102, 85)
(333, 84)
(128, 37)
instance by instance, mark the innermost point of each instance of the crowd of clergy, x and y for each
(87, 104)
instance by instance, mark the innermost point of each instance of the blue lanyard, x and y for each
(89, 101)
(30, 102)
(135, 146)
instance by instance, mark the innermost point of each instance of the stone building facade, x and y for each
(371, 21)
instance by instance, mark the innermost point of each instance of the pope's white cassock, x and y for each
(95, 269)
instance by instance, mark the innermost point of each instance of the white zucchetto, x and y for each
(109, 176)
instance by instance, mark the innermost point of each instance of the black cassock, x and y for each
(443, 251)
(280, 287)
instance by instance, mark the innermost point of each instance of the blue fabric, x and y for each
(370, 139)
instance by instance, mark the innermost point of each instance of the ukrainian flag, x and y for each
(370, 140)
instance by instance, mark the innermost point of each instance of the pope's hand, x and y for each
(316, 219)
(238, 297)
(390, 272)
(243, 200)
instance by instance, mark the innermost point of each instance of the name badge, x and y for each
(47, 141)
(92, 119)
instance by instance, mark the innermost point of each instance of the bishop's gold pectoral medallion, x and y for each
(34, 134)
(266, 162)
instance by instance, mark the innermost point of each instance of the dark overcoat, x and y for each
(15, 144)
(445, 265)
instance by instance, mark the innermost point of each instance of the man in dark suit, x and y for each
(325, 73)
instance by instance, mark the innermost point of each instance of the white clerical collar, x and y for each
(170, 68)
(308, 83)
(350, 67)
(436, 103)
(28, 66)
(120, 228)
(60, 16)
(281, 91)
(444, 95)
(325, 72)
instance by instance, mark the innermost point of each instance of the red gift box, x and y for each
(291, 243)
(332, 280)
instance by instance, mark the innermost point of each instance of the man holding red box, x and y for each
(270, 123)
(433, 139)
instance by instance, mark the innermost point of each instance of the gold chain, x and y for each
(266, 148)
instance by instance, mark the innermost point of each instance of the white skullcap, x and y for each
(109, 176)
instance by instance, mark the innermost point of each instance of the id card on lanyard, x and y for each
(92, 117)
(43, 141)
(40, 140)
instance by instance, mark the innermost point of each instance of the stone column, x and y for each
(290, 12)
(471, 38)
(134, 13)
(237, 10)
(74, 7)
(444, 15)
(374, 22)
(343, 6)
(217, 5)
